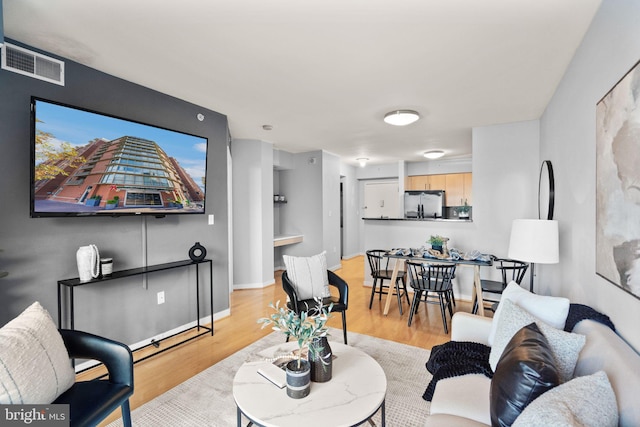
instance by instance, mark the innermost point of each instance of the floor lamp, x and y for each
(534, 241)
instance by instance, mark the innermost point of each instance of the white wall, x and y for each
(440, 166)
(351, 212)
(505, 181)
(252, 213)
(331, 208)
(610, 48)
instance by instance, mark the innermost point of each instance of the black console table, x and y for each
(71, 284)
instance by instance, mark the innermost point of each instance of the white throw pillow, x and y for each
(585, 401)
(551, 310)
(308, 275)
(565, 346)
(34, 363)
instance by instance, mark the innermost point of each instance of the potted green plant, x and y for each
(463, 211)
(93, 201)
(304, 328)
(436, 242)
(113, 203)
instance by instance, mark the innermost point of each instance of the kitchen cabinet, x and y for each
(457, 186)
(418, 182)
(454, 191)
(468, 180)
(437, 182)
(426, 182)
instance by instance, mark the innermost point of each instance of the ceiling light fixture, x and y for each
(363, 161)
(401, 117)
(433, 154)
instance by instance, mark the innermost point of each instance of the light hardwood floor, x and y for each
(160, 373)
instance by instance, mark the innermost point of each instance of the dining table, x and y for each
(476, 261)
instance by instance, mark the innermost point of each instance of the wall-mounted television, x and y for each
(86, 163)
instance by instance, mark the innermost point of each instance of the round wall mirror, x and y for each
(546, 191)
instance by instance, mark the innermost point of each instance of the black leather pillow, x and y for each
(526, 370)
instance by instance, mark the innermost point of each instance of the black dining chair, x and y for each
(511, 270)
(380, 271)
(432, 284)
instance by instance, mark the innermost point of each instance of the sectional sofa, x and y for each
(598, 382)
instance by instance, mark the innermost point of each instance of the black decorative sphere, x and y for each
(197, 252)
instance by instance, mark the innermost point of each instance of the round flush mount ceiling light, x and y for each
(433, 154)
(401, 117)
(363, 161)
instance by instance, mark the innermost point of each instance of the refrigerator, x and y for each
(424, 204)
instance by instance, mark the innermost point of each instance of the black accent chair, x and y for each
(92, 401)
(511, 270)
(340, 302)
(380, 272)
(435, 279)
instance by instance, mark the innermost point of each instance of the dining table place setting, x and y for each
(452, 254)
(441, 254)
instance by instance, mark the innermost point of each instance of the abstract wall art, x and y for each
(618, 184)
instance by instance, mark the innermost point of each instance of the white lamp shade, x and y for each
(534, 240)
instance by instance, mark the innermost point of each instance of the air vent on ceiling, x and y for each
(32, 64)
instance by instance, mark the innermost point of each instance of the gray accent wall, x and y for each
(38, 252)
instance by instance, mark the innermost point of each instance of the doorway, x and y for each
(381, 199)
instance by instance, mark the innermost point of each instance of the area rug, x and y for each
(207, 400)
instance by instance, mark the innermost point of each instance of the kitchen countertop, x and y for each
(419, 219)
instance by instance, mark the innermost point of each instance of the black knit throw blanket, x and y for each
(455, 358)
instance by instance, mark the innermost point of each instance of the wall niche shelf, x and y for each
(287, 240)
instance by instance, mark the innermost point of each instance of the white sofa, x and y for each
(464, 400)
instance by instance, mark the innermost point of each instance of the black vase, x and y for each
(197, 252)
(321, 360)
(298, 384)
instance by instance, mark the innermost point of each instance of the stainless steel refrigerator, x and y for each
(424, 204)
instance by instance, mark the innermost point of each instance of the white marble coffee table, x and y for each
(354, 394)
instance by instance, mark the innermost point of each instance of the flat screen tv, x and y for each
(86, 163)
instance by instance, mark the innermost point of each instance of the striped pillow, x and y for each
(34, 363)
(308, 275)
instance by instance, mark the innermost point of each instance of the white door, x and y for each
(381, 199)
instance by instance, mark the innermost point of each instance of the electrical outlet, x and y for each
(161, 297)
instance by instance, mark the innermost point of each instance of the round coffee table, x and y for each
(354, 394)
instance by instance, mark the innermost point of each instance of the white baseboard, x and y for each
(351, 256)
(237, 286)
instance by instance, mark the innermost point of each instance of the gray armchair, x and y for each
(92, 401)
